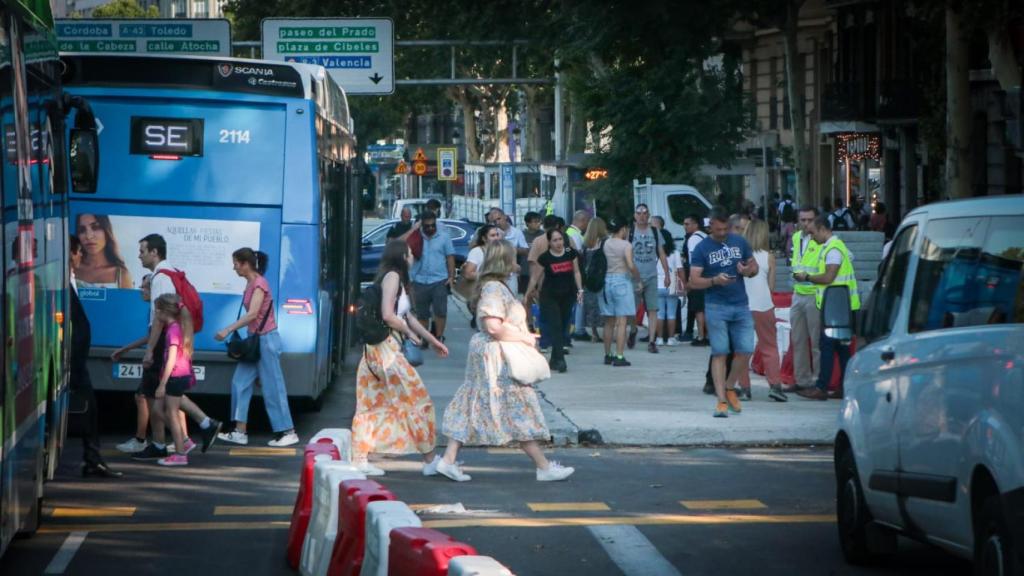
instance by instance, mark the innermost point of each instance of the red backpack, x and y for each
(188, 294)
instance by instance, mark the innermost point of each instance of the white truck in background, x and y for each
(673, 202)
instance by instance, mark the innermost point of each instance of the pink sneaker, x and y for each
(174, 460)
(189, 445)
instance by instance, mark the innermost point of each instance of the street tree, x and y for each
(125, 9)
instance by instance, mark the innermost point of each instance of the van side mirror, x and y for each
(836, 315)
(84, 153)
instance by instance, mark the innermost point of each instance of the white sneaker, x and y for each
(368, 469)
(431, 468)
(235, 437)
(672, 341)
(554, 472)
(132, 446)
(452, 471)
(288, 439)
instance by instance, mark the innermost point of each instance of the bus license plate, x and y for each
(134, 371)
(130, 371)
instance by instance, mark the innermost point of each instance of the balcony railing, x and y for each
(847, 101)
(899, 100)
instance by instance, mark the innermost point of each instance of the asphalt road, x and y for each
(643, 511)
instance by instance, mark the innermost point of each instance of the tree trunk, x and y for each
(795, 89)
(531, 148)
(958, 108)
(468, 122)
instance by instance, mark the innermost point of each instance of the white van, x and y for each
(417, 205)
(673, 202)
(931, 431)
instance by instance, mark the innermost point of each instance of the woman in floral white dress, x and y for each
(490, 409)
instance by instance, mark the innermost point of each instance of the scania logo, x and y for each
(225, 69)
(254, 71)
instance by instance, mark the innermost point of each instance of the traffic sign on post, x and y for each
(402, 168)
(420, 156)
(205, 37)
(419, 168)
(357, 52)
(446, 167)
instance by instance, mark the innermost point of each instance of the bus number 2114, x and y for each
(234, 136)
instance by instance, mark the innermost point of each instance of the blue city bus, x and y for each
(217, 154)
(36, 173)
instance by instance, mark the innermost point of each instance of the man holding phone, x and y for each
(715, 266)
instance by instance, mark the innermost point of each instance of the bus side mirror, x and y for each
(836, 315)
(84, 153)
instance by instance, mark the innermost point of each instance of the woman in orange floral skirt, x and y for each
(394, 414)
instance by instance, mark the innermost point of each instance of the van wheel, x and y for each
(994, 553)
(852, 512)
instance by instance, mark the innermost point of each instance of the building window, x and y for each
(773, 112)
(199, 10)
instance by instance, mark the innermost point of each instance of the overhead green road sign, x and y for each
(178, 36)
(357, 52)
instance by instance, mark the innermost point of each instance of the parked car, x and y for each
(460, 231)
(415, 205)
(931, 431)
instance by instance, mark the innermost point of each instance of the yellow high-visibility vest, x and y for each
(806, 262)
(845, 277)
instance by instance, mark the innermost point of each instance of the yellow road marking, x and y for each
(263, 452)
(649, 520)
(164, 527)
(93, 512)
(722, 504)
(568, 506)
(252, 510)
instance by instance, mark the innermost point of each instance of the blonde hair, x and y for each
(171, 305)
(756, 235)
(499, 263)
(597, 230)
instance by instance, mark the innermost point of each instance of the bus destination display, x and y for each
(167, 136)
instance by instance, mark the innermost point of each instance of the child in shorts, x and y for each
(177, 376)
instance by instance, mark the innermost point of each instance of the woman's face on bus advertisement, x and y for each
(91, 234)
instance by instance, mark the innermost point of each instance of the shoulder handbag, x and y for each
(526, 365)
(412, 352)
(247, 349)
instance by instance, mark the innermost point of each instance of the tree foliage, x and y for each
(125, 9)
(637, 71)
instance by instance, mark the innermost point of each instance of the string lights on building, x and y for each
(858, 146)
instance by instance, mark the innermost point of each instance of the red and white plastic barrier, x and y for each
(381, 518)
(323, 526)
(322, 450)
(477, 566)
(423, 552)
(355, 496)
(340, 437)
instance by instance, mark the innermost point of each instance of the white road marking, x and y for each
(631, 551)
(67, 551)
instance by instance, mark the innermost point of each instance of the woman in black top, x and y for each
(560, 287)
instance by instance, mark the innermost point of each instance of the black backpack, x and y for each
(788, 212)
(369, 323)
(597, 268)
(839, 221)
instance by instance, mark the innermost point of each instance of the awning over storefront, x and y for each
(836, 127)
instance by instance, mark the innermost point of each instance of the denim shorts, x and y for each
(617, 297)
(667, 304)
(730, 329)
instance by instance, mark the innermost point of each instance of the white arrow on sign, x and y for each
(99, 127)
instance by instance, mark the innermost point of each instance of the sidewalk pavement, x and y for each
(658, 401)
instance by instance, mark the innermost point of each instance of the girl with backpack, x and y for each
(394, 413)
(259, 319)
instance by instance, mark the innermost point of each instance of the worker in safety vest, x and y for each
(804, 319)
(834, 268)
